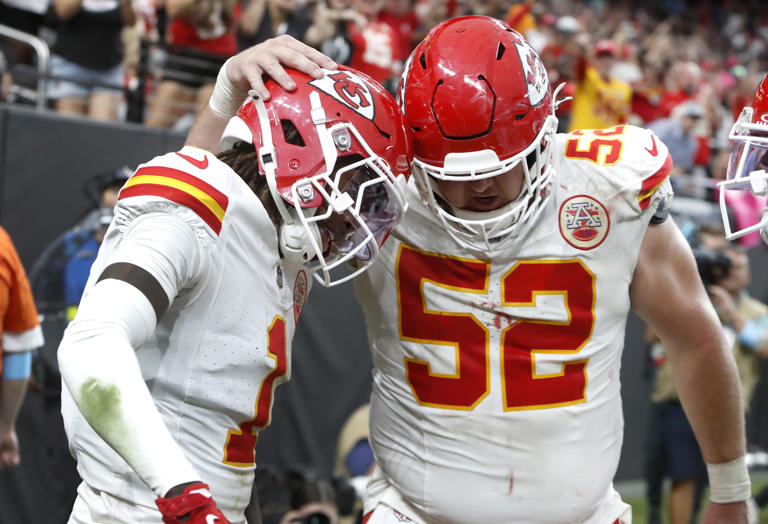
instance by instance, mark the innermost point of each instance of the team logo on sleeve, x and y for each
(300, 291)
(350, 90)
(584, 222)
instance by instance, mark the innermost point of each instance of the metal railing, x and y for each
(43, 60)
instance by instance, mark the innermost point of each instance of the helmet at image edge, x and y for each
(748, 162)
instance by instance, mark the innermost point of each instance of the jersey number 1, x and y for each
(241, 443)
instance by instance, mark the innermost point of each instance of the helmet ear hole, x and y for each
(291, 133)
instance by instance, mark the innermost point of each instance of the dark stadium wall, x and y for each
(44, 161)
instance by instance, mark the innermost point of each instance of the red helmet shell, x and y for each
(760, 103)
(474, 84)
(346, 96)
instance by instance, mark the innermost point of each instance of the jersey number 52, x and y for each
(521, 341)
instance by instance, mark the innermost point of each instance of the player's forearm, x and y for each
(207, 130)
(709, 388)
(11, 397)
(100, 370)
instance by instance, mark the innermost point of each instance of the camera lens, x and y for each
(317, 517)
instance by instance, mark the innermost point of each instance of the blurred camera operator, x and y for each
(744, 318)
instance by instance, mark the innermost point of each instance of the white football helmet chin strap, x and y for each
(742, 176)
(299, 242)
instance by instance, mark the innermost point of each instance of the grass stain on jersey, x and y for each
(100, 405)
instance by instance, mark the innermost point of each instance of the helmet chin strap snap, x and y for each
(296, 244)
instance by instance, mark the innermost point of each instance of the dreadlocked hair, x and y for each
(244, 160)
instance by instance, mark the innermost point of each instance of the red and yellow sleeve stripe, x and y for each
(652, 183)
(206, 201)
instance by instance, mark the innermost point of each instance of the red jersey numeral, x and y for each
(240, 447)
(523, 387)
(603, 146)
(461, 332)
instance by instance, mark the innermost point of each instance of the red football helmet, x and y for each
(478, 101)
(748, 163)
(336, 153)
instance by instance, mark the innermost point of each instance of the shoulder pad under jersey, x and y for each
(625, 161)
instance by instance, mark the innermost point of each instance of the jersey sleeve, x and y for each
(644, 171)
(20, 329)
(625, 164)
(190, 183)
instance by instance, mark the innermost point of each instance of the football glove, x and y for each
(194, 506)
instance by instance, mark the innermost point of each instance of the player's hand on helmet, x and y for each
(270, 58)
(194, 505)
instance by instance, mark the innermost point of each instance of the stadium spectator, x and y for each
(401, 16)
(560, 56)
(87, 60)
(646, 93)
(678, 132)
(263, 19)
(600, 100)
(374, 45)
(78, 267)
(20, 334)
(432, 12)
(329, 31)
(27, 16)
(200, 36)
(519, 16)
(683, 84)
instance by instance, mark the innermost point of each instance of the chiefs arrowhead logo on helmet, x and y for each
(350, 90)
(535, 74)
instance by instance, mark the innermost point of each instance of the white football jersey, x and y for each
(496, 394)
(224, 343)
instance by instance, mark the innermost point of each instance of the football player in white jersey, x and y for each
(748, 163)
(497, 309)
(185, 327)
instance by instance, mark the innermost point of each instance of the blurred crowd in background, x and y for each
(683, 68)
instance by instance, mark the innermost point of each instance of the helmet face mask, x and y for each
(360, 207)
(336, 155)
(488, 229)
(748, 164)
(479, 103)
